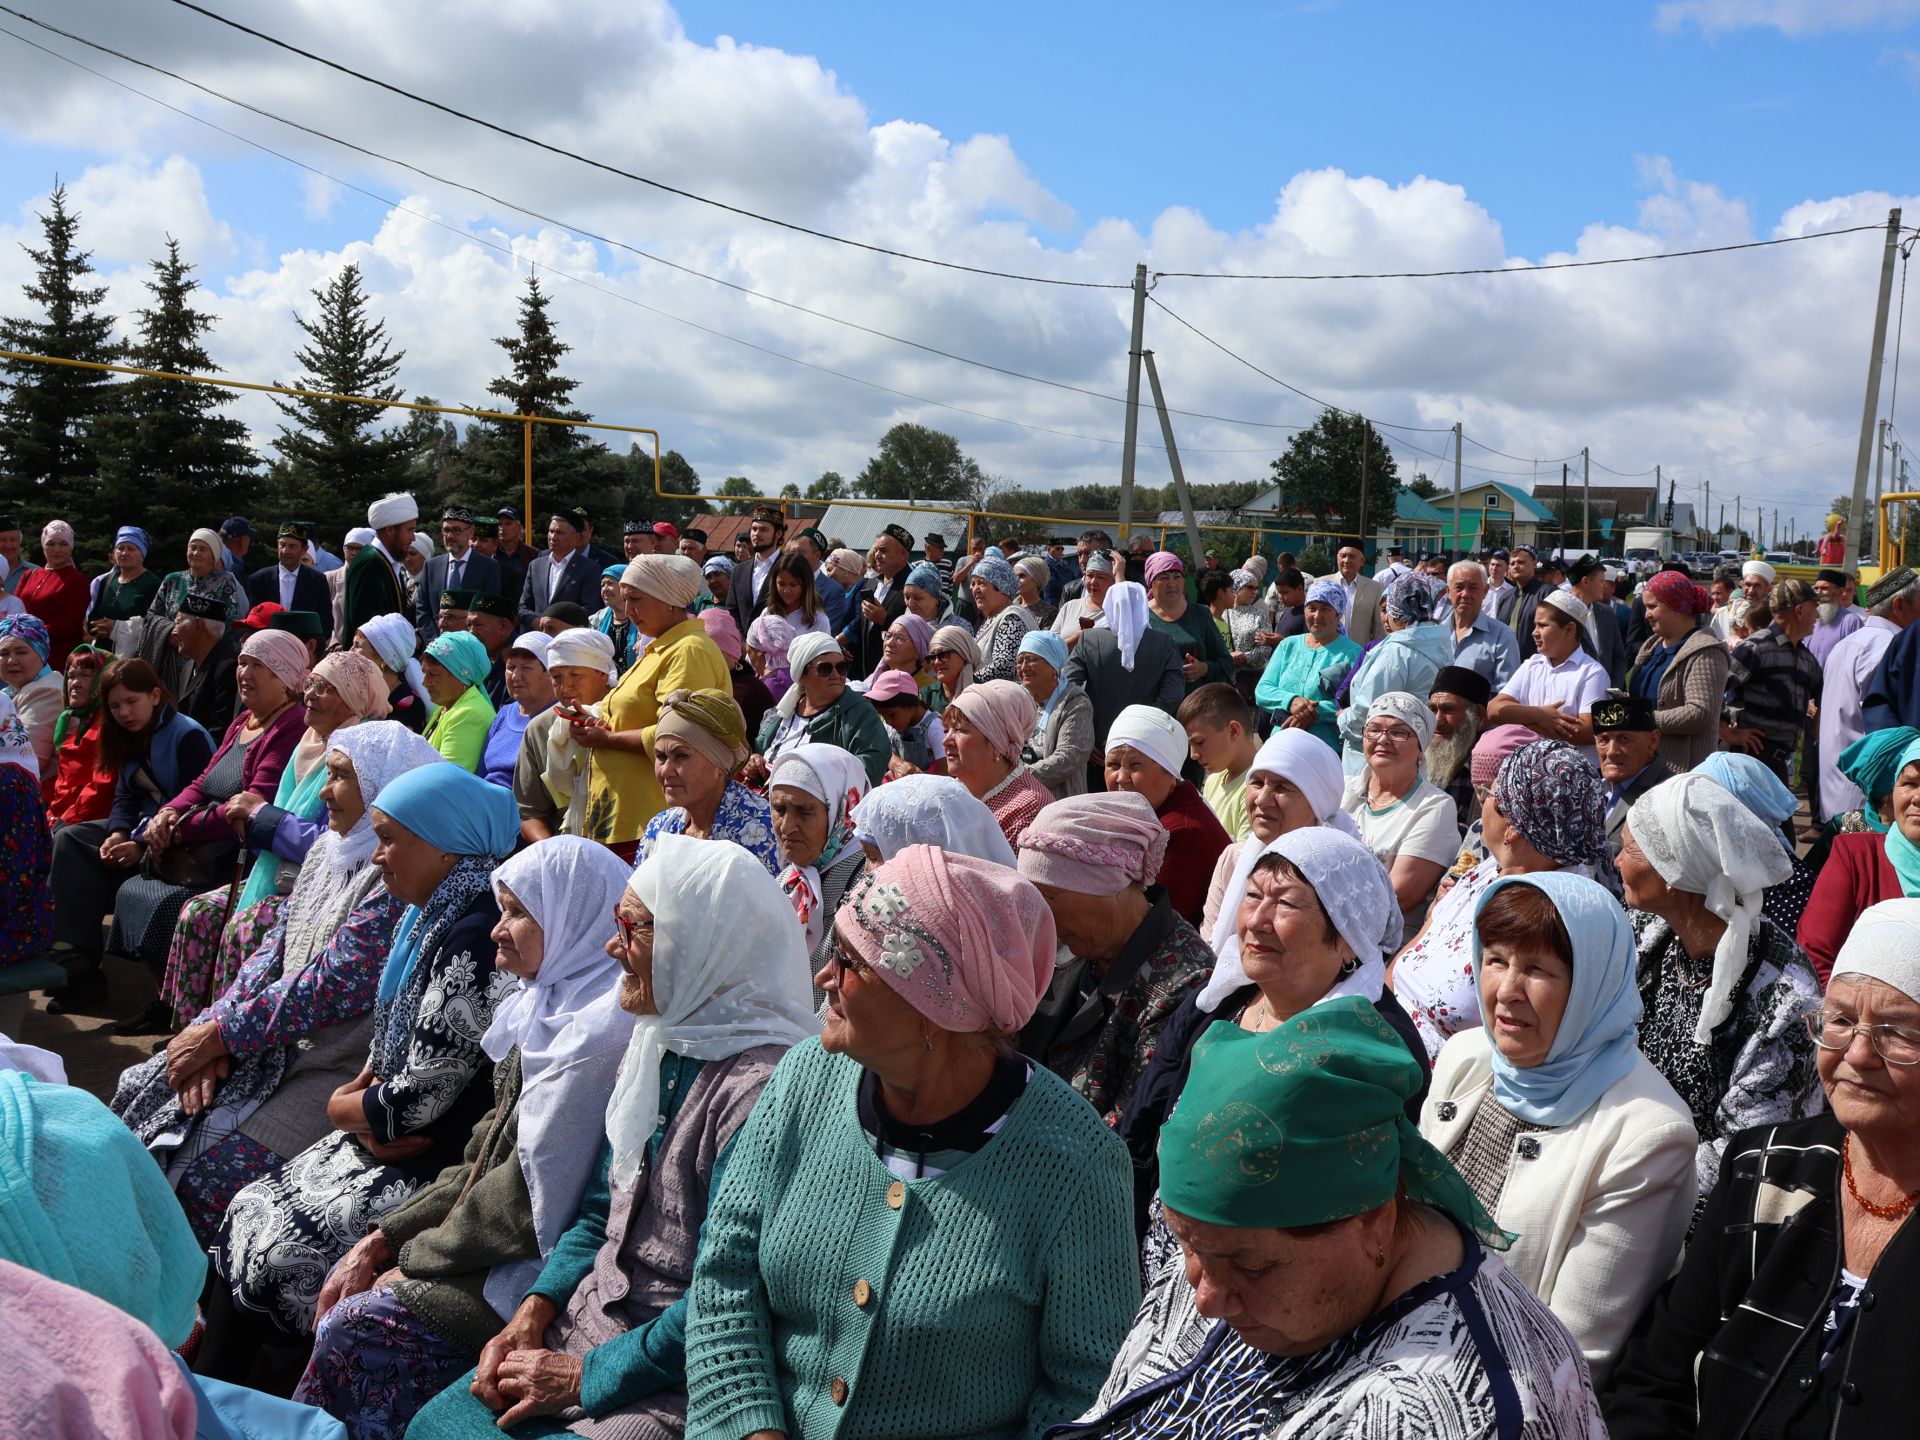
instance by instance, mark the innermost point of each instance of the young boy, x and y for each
(915, 732)
(1221, 739)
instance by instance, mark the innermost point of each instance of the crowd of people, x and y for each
(804, 993)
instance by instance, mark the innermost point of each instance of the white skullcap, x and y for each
(1884, 945)
(671, 579)
(1152, 732)
(392, 510)
(1758, 567)
(1569, 603)
(424, 544)
(582, 646)
(360, 535)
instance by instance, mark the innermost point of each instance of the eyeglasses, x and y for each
(1387, 735)
(831, 667)
(1834, 1030)
(844, 961)
(630, 929)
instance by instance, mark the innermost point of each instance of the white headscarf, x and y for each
(729, 974)
(393, 640)
(1351, 885)
(1154, 733)
(1125, 613)
(838, 780)
(570, 1029)
(804, 650)
(1313, 768)
(930, 810)
(1702, 840)
(1883, 945)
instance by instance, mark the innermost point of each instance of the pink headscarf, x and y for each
(1094, 844)
(724, 631)
(967, 943)
(1493, 747)
(1160, 562)
(1000, 710)
(358, 681)
(281, 653)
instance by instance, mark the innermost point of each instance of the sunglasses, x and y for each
(832, 667)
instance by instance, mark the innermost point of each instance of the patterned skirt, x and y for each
(208, 950)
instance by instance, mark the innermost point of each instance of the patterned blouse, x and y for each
(741, 816)
(265, 1007)
(1759, 1067)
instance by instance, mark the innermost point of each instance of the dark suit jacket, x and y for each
(482, 573)
(746, 608)
(580, 582)
(212, 695)
(1655, 772)
(310, 590)
(863, 644)
(371, 589)
(1154, 680)
(513, 568)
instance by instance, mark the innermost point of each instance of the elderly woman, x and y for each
(56, 592)
(1870, 764)
(32, 685)
(1302, 683)
(1033, 576)
(1681, 669)
(926, 597)
(204, 575)
(932, 810)
(1203, 651)
(952, 657)
(623, 792)
(389, 642)
(552, 780)
(1405, 661)
(1331, 1277)
(768, 640)
(1867, 867)
(1294, 781)
(455, 667)
(995, 587)
(1404, 818)
(903, 647)
(611, 618)
(812, 791)
(1791, 1313)
(1766, 795)
(124, 592)
(970, 1204)
(439, 832)
(192, 842)
(699, 745)
(1061, 742)
(712, 973)
(1081, 612)
(244, 1085)
(1602, 1192)
(1133, 961)
(987, 728)
(81, 790)
(530, 695)
(821, 709)
(1724, 988)
(1545, 811)
(209, 943)
(1554, 690)
(1247, 621)
(411, 1304)
(1145, 750)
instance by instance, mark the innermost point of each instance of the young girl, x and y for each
(794, 598)
(767, 640)
(913, 731)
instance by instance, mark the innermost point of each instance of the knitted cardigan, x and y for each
(831, 1299)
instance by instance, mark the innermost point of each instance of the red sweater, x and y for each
(1857, 874)
(79, 791)
(60, 599)
(1195, 839)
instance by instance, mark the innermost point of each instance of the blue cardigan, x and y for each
(178, 750)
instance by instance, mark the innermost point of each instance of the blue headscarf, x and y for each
(1598, 1041)
(923, 576)
(133, 535)
(1327, 592)
(1873, 763)
(997, 573)
(1902, 853)
(456, 812)
(465, 657)
(1049, 647)
(1754, 786)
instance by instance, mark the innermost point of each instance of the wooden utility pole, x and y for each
(1360, 538)
(1133, 400)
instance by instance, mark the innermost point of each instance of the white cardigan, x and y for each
(1602, 1206)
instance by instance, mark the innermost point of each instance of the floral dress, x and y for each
(1433, 978)
(26, 851)
(742, 817)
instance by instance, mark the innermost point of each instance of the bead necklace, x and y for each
(1884, 1212)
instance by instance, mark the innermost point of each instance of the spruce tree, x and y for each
(170, 460)
(47, 453)
(340, 456)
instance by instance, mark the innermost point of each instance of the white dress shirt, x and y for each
(1846, 675)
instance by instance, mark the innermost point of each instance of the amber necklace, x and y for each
(1884, 1212)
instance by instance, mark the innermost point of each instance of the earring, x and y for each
(1380, 1261)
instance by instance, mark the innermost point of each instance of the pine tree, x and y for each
(339, 457)
(168, 456)
(47, 453)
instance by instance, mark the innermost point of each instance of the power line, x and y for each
(607, 240)
(1507, 269)
(602, 165)
(581, 280)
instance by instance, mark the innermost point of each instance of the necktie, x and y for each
(455, 569)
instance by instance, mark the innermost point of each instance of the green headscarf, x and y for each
(79, 717)
(1873, 763)
(1902, 853)
(1303, 1124)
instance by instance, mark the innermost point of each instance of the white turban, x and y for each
(671, 579)
(424, 544)
(1702, 840)
(585, 647)
(1758, 567)
(359, 535)
(1152, 732)
(392, 510)
(1884, 945)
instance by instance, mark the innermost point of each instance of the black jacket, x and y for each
(863, 636)
(743, 600)
(310, 592)
(478, 572)
(1747, 1311)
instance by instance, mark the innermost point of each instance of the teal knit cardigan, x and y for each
(831, 1299)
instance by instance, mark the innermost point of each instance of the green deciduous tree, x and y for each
(1319, 476)
(915, 462)
(743, 492)
(47, 447)
(831, 486)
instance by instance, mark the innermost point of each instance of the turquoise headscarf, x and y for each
(1599, 1036)
(1754, 786)
(1047, 646)
(1902, 852)
(1872, 762)
(456, 812)
(465, 657)
(83, 1203)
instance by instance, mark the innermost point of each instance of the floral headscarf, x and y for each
(1553, 796)
(838, 780)
(1410, 599)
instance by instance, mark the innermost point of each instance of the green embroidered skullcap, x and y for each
(1304, 1124)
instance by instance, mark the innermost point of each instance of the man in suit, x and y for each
(570, 569)
(1628, 742)
(458, 567)
(289, 582)
(747, 591)
(376, 584)
(1363, 596)
(879, 600)
(1516, 612)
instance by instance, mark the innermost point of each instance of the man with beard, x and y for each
(1459, 703)
(747, 593)
(1628, 742)
(1839, 618)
